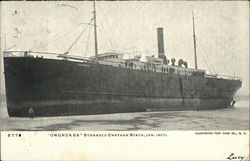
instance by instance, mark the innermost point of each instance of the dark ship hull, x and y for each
(60, 87)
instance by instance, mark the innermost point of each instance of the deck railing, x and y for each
(223, 76)
(108, 62)
(19, 53)
(38, 54)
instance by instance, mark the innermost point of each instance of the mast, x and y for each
(95, 33)
(195, 57)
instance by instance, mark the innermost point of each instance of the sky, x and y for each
(222, 30)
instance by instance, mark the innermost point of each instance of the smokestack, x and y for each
(160, 37)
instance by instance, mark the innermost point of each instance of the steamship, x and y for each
(109, 83)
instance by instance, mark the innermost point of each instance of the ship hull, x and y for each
(60, 88)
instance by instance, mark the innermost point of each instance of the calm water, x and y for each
(225, 119)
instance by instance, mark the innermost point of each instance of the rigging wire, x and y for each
(87, 46)
(71, 29)
(55, 37)
(105, 19)
(205, 62)
(78, 38)
(202, 49)
(63, 35)
(110, 43)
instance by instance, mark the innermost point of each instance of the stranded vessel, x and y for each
(108, 83)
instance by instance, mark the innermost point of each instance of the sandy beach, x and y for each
(223, 119)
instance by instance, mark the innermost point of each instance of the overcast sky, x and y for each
(222, 30)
